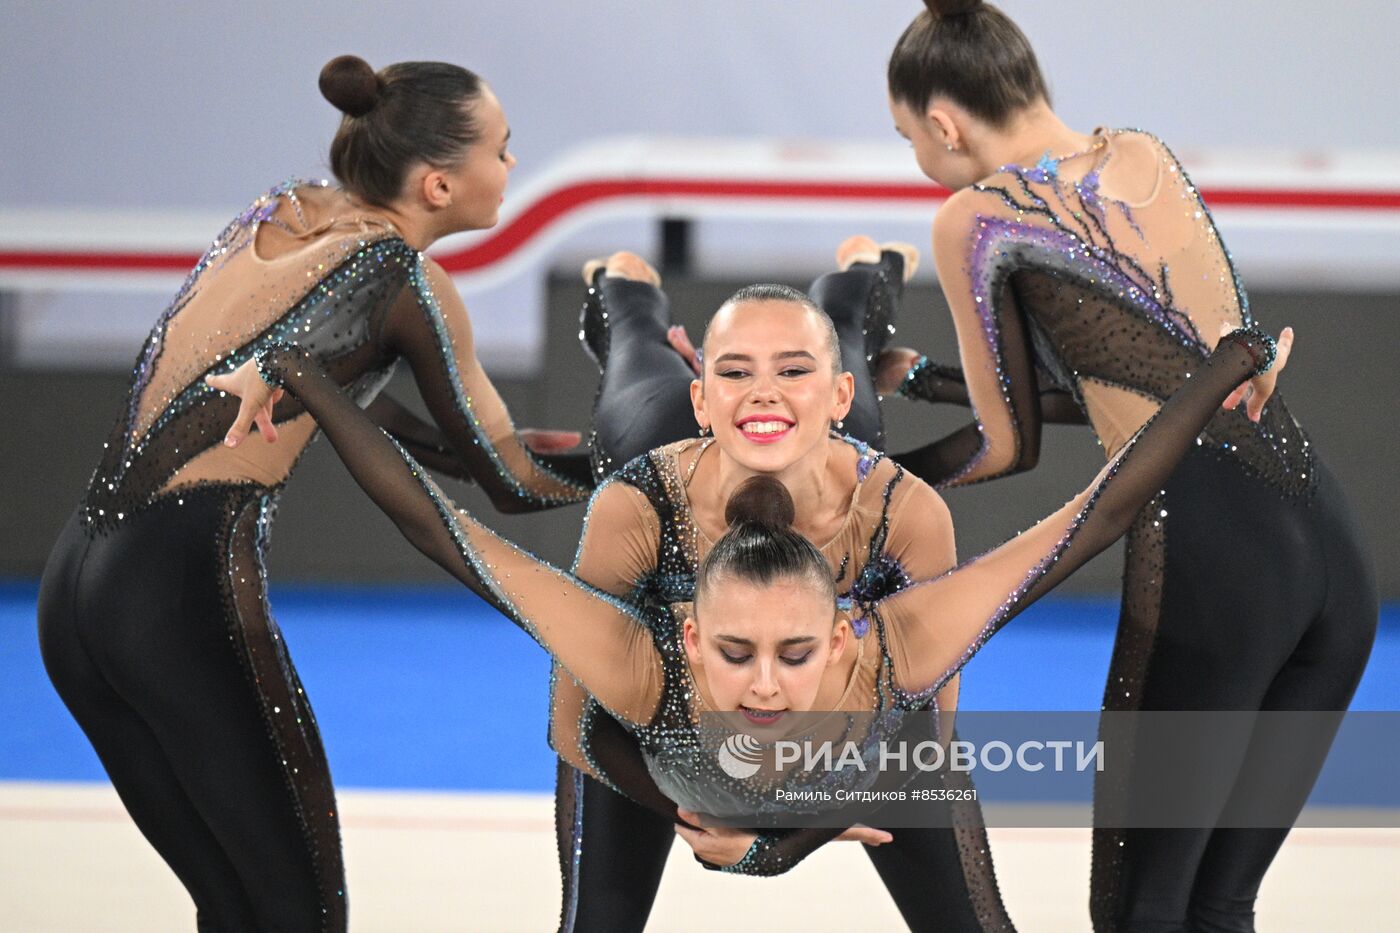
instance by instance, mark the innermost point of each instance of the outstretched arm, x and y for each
(934, 628)
(594, 636)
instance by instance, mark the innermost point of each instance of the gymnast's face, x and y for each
(770, 390)
(763, 649)
(951, 168)
(477, 185)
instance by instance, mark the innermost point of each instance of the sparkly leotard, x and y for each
(613, 848)
(633, 664)
(1106, 273)
(153, 615)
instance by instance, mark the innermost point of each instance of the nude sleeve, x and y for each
(921, 539)
(934, 628)
(997, 361)
(617, 551)
(940, 384)
(428, 326)
(596, 637)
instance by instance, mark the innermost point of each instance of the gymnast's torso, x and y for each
(1122, 283)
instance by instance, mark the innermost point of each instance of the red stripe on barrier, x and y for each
(523, 227)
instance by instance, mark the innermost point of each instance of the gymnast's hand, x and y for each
(255, 407)
(723, 846)
(891, 366)
(1256, 392)
(549, 442)
(680, 342)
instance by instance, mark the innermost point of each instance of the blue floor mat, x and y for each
(429, 688)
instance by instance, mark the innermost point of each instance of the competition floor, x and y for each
(432, 709)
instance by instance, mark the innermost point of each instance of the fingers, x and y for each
(1234, 398)
(1262, 390)
(690, 816)
(891, 368)
(550, 442)
(263, 419)
(1285, 348)
(247, 413)
(679, 340)
(867, 835)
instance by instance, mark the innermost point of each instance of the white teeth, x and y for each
(766, 427)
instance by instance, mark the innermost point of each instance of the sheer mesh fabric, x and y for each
(943, 384)
(635, 666)
(286, 710)
(930, 630)
(1144, 574)
(1106, 271)
(298, 267)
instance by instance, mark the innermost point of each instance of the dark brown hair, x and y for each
(971, 53)
(760, 545)
(769, 292)
(405, 114)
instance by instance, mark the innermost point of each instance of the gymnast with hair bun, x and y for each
(1087, 280)
(789, 396)
(153, 615)
(758, 633)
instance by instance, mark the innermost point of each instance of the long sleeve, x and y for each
(997, 360)
(428, 326)
(617, 550)
(597, 638)
(427, 444)
(928, 381)
(934, 628)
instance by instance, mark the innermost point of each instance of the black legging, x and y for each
(1236, 598)
(613, 851)
(151, 632)
(644, 393)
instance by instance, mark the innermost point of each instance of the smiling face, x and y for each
(770, 390)
(762, 648)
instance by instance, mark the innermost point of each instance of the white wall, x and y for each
(200, 105)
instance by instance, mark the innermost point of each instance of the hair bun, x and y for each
(348, 82)
(945, 8)
(761, 500)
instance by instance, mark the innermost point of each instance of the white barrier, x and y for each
(772, 208)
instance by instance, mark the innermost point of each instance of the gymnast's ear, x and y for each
(690, 637)
(434, 186)
(697, 402)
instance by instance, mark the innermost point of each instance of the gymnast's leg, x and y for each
(1321, 673)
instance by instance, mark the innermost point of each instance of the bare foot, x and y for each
(862, 248)
(856, 249)
(622, 265)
